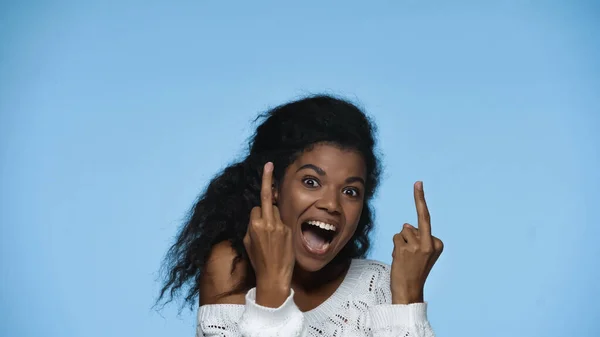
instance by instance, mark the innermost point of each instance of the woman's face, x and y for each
(321, 197)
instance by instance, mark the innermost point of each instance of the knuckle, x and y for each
(273, 225)
(439, 245)
(427, 250)
(256, 223)
(254, 213)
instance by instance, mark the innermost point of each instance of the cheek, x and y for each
(285, 212)
(349, 232)
(352, 213)
(291, 206)
(288, 209)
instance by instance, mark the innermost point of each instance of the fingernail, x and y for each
(268, 167)
(420, 185)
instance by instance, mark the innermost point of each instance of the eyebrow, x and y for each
(322, 173)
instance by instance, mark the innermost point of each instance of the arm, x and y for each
(415, 253)
(238, 315)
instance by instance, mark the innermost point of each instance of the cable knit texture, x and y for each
(360, 307)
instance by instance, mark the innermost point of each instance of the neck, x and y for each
(309, 280)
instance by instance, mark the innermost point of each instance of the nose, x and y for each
(329, 202)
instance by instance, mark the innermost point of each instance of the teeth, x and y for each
(322, 225)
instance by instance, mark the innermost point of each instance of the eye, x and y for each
(352, 192)
(311, 182)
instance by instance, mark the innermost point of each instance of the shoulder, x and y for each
(372, 281)
(377, 273)
(219, 278)
(371, 266)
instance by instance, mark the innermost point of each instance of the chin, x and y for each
(310, 264)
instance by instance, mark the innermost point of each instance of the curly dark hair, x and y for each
(222, 210)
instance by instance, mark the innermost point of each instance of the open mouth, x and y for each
(318, 235)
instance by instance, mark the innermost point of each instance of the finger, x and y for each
(266, 192)
(399, 244)
(399, 241)
(413, 229)
(276, 215)
(255, 214)
(438, 246)
(409, 235)
(246, 241)
(424, 220)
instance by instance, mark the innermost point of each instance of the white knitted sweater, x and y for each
(360, 307)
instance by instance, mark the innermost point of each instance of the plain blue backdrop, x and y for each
(115, 115)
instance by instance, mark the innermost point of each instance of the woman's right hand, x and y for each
(268, 242)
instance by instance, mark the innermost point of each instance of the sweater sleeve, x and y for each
(398, 320)
(251, 319)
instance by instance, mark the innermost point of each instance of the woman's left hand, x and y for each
(415, 253)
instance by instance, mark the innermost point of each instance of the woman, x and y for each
(275, 246)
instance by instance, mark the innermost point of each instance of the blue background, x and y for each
(115, 115)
